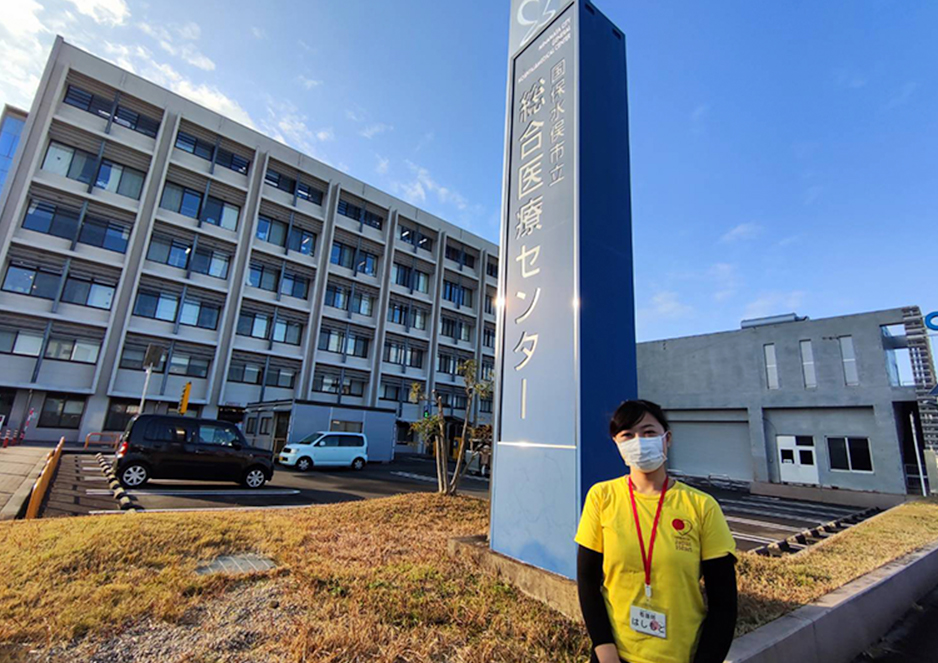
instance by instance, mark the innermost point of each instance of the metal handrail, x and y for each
(42, 483)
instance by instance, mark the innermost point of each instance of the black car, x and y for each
(162, 446)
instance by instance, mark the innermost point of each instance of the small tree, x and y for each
(433, 427)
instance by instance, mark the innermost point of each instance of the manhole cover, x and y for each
(234, 564)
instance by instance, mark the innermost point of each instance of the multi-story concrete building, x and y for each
(810, 403)
(133, 217)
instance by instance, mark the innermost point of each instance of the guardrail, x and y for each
(110, 439)
(42, 483)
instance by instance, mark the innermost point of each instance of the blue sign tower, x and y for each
(566, 340)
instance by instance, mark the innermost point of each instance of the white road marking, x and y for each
(207, 493)
(424, 477)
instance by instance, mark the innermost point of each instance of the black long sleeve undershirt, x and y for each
(716, 635)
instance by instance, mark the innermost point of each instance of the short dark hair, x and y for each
(631, 412)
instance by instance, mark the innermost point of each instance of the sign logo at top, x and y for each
(528, 17)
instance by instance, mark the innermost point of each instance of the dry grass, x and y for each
(364, 581)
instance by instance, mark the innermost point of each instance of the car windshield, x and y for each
(309, 439)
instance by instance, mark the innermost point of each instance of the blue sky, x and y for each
(784, 155)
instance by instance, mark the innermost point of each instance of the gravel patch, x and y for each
(234, 628)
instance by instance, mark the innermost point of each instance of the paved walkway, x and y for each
(19, 468)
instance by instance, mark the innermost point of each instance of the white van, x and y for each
(326, 449)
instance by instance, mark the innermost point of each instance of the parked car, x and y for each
(326, 449)
(160, 446)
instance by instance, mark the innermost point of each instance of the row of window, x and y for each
(42, 283)
(342, 298)
(263, 326)
(808, 372)
(181, 363)
(289, 184)
(407, 315)
(280, 234)
(266, 277)
(207, 151)
(456, 293)
(164, 306)
(29, 344)
(345, 256)
(456, 329)
(247, 372)
(415, 238)
(398, 353)
(360, 214)
(61, 221)
(83, 167)
(328, 383)
(335, 340)
(177, 253)
(188, 202)
(98, 105)
(457, 254)
(410, 277)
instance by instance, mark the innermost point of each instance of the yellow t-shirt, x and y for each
(692, 529)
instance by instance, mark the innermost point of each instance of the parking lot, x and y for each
(81, 489)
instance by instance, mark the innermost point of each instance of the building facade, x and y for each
(787, 400)
(133, 217)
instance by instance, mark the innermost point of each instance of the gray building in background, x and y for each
(133, 217)
(787, 401)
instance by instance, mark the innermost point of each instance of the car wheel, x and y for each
(254, 477)
(304, 464)
(358, 464)
(134, 475)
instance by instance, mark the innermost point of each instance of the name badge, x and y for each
(648, 622)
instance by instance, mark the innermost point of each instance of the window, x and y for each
(398, 353)
(294, 285)
(349, 210)
(288, 184)
(79, 165)
(281, 377)
(807, 365)
(419, 318)
(269, 230)
(288, 332)
(488, 337)
(326, 383)
(104, 234)
(850, 454)
(61, 411)
(453, 253)
(119, 414)
(771, 366)
(100, 106)
(485, 405)
(133, 356)
(181, 200)
(489, 304)
(156, 305)
(251, 425)
(397, 313)
(458, 294)
(404, 276)
(221, 214)
(211, 263)
(338, 296)
(401, 275)
(345, 256)
(302, 241)
(204, 150)
(245, 372)
(88, 292)
(166, 251)
(23, 343)
(51, 219)
(256, 325)
(491, 269)
(222, 435)
(31, 281)
(184, 364)
(851, 377)
(263, 277)
(446, 364)
(265, 425)
(488, 370)
(75, 350)
(199, 314)
(332, 340)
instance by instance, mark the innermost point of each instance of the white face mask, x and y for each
(643, 453)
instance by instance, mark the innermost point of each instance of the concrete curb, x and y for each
(841, 625)
(123, 499)
(16, 506)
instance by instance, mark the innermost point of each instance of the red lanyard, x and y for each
(646, 561)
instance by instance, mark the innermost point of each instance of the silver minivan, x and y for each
(326, 449)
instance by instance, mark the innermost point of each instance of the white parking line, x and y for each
(418, 477)
(206, 493)
(757, 523)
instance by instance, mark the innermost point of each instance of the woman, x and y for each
(644, 542)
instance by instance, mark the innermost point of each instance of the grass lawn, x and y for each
(363, 581)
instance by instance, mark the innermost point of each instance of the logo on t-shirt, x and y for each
(683, 527)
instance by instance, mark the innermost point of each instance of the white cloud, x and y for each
(744, 231)
(665, 305)
(190, 31)
(373, 130)
(258, 33)
(355, 114)
(107, 12)
(726, 280)
(185, 51)
(25, 40)
(425, 140)
(383, 164)
(302, 44)
(286, 123)
(325, 134)
(902, 96)
(423, 183)
(213, 98)
(308, 83)
(774, 303)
